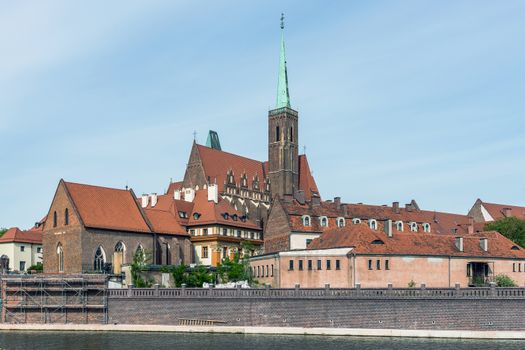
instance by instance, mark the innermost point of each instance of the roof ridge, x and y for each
(232, 154)
(96, 186)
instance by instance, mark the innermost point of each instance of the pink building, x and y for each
(357, 254)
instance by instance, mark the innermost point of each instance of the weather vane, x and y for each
(282, 20)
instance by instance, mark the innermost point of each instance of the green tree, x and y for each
(504, 281)
(38, 267)
(191, 277)
(511, 227)
(234, 270)
(2, 231)
(141, 260)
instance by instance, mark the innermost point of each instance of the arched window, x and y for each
(277, 134)
(399, 226)
(66, 217)
(323, 220)
(413, 226)
(60, 256)
(140, 254)
(340, 222)
(55, 219)
(356, 221)
(426, 227)
(98, 261)
(118, 257)
(120, 247)
(373, 224)
(306, 220)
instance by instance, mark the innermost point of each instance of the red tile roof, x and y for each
(173, 186)
(14, 234)
(497, 210)
(107, 208)
(360, 237)
(440, 222)
(306, 180)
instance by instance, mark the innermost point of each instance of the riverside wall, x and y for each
(477, 309)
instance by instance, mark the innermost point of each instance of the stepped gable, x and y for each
(216, 165)
(306, 180)
(15, 235)
(209, 212)
(367, 241)
(440, 222)
(498, 211)
(107, 208)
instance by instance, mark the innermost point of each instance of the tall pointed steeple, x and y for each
(283, 96)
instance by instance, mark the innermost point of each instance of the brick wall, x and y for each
(441, 313)
(277, 230)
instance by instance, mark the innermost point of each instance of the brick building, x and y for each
(484, 212)
(357, 254)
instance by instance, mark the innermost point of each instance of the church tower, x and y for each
(283, 135)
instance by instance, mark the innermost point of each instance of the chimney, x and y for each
(395, 207)
(507, 212)
(154, 199)
(337, 201)
(388, 227)
(470, 226)
(484, 244)
(145, 200)
(189, 194)
(176, 195)
(459, 243)
(408, 207)
(316, 200)
(213, 193)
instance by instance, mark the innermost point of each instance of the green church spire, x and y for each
(283, 97)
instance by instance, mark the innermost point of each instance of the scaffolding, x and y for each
(53, 299)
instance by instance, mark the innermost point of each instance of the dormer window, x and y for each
(183, 215)
(196, 216)
(378, 241)
(234, 217)
(243, 218)
(244, 181)
(399, 226)
(426, 227)
(306, 220)
(226, 216)
(413, 226)
(356, 221)
(373, 224)
(340, 222)
(515, 247)
(323, 221)
(230, 177)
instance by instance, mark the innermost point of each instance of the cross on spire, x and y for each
(194, 135)
(282, 20)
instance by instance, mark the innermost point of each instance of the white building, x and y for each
(22, 248)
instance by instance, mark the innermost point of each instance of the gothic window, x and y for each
(66, 217)
(60, 253)
(323, 220)
(373, 224)
(54, 219)
(399, 226)
(306, 220)
(356, 221)
(426, 227)
(119, 248)
(139, 253)
(277, 134)
(291, 134)
(413, 226)
(98, 261)
(340, 222)
(244, 181)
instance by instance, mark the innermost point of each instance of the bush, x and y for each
(504, 281)
(411, 284)
(38, 268)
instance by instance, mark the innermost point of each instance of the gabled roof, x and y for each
(497, 211)
(442, 223)
(216, 165)
(367, 241)
(14, 234)
(173, 186)
(306, 180)
(107, 208)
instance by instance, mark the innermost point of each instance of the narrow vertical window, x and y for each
(513, 267)
(272, 270)
(300, 265)
(277, 134)
(387, 265)
(370, 264)
(378, 265)
(319, 265)
(310, 265)
(290, 265)
(60, 253)
(54, 219)
(291, 134)
(267, 272)
(328, 264)
(66, 217)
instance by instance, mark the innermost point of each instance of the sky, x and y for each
(397, 100)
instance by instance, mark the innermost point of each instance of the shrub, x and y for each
(504, 281)
(411, 284)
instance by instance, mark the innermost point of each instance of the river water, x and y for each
(11, 340)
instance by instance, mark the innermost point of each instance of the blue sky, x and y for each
(397, 99)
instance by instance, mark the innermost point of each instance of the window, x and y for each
(426, 227)
(54, 219)
(183, 215)
(373, 224)
(323, 221)
(224, 231)
(262, 270)
(238, 233)
(192, 232)
(399, 226)
(328, 264)
(338, 265)
(378, 265)
(370, 264)
(39, 249)
(252, 235)
(513, 267)
(413, 226)
(277, 134)
(204, 231)
(519, 267)
(22, 266)
(98, 261)
(310, 267)
(266, 270)
(340, 222)
(319, 266)
(290, 265)
(60, 253)
(300, 265)
(204, 252)
(306, 220)
(356, 221)
(377, 241)
(515, 247)
(272, 271)
(66, 217)
(387, 265)
(196, 216)
(308, 241)
(469, 270)
(258, 271)
(22, 248)
(234, 217)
